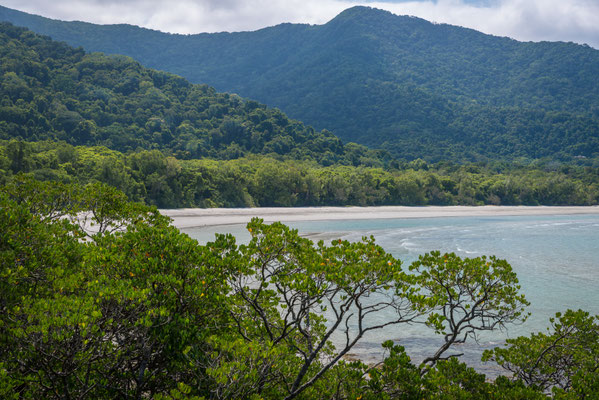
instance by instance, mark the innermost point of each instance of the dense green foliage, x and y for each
(102, 298)
(154, 178)
(563, 360)
(417, 89)
(97, 316)
(49, 90)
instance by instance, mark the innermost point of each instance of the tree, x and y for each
(100, 298)
(398, 378)
(565, 359)
(466, 296)
(290, 297)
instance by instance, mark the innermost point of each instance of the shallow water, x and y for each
(555, 258)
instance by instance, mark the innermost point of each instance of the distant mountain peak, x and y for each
(370, 18)
(361, 12)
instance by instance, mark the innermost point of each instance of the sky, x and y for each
(536, 20)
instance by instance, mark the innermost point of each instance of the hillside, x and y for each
(51, 91)
(415, 88)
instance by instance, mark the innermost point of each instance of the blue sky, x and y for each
(563, 20)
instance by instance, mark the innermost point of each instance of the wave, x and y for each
(467, 251)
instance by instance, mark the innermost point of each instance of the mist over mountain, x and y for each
(417, 89)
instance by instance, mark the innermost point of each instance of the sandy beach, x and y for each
(197, 217)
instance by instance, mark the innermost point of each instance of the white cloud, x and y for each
(566, 20)
(186, 16)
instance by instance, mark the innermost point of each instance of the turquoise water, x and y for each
(555, 257)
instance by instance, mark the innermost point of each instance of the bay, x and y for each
(555, 257)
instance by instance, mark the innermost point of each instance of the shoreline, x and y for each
(204, 217)
(203, 223)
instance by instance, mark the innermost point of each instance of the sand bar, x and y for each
(197, 217)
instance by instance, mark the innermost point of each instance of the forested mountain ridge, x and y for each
(50, 90)
(416, 88)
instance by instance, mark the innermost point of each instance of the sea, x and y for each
(555, 257)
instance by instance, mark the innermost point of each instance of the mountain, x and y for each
(418, 89)
(51, 91)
